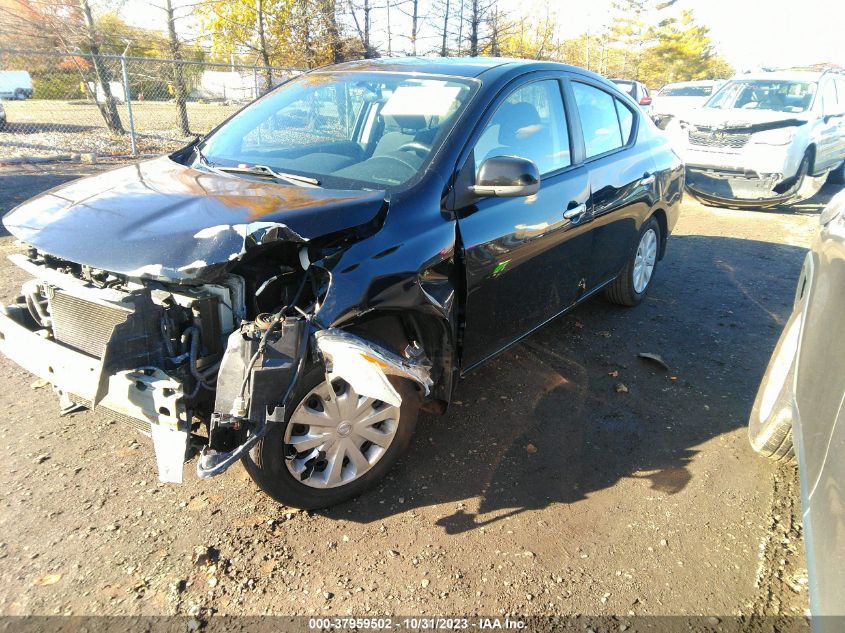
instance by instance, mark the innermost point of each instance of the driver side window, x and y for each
(530, 124)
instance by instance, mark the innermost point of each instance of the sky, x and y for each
(748, 33)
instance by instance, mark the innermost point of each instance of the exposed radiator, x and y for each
(132, 330)
(84, 325)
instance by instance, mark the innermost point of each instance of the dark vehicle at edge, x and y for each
(294, 288)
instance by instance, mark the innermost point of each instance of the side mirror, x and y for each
(645, 100)
(507, 177)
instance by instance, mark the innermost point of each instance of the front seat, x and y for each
(520, 132)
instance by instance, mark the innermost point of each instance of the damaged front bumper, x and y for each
(112, 358)
(738, 187)
(147, 398)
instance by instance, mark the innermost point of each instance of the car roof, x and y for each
(695, 82)
(781, 75)
(469, 67)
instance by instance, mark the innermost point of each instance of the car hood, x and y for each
(162, 220)
(753, 120)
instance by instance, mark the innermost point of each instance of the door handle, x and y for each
(647, 180)
(575, 213)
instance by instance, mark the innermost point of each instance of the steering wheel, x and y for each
(418, 148)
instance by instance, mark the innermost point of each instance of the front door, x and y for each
(525, 257)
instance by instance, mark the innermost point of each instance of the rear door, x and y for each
(525, 261)
(622, 179)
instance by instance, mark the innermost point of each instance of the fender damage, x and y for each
(208, 298)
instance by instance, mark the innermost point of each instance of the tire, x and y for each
(770, 423)
(801, 174)
(20, 95)
(837, 176)
(270, 469)
(624, 289)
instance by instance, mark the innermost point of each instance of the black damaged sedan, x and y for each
(292, 289)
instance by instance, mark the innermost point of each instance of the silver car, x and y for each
(800, 409)
(756, 141)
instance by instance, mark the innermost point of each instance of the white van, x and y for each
(15, 84)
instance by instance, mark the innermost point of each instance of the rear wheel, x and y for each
(334, 445)
(20, 95)
(629, 288)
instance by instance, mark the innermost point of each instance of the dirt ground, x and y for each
(546, 489)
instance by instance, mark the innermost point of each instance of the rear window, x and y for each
(625, 86)
(599, 119)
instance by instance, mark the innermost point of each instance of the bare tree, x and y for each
(261, 31)
(328, 10)
(479, 10)
(179, 91)
(363, 33)
(106, 105)
(444, 7)
(416, 21)
(389, 31)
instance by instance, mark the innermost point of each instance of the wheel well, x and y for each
(395, 330)
(811, 150)
(660, 216)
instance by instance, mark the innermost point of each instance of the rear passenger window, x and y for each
(626, 120)
(599, 121)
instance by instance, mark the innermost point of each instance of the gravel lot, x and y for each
(41, 128)
(548, 488)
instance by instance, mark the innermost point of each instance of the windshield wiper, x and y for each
(267, 172)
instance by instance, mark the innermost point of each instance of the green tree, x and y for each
(681, 51)
(260, 26)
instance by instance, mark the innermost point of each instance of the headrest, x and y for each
(411, 122)
(519, 121)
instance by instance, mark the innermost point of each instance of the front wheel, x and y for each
(770, 422)
(334, 444)
(629, 288)
(837, 176)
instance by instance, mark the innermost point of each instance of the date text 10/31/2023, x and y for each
(415, 623)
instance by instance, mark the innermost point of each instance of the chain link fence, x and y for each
(113, 106)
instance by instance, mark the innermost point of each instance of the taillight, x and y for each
(645, 100)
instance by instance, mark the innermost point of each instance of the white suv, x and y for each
(757, 139)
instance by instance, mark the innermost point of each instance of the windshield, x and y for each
(686, 91)
(775, 95)
(345, 130)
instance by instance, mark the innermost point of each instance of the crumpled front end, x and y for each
(148, 353)
(741, 164)
(188, 365)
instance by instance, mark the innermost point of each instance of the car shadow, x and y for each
(573, 410)
(811, 206)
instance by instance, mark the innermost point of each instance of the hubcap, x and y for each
(335, 436)
(644, 260)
